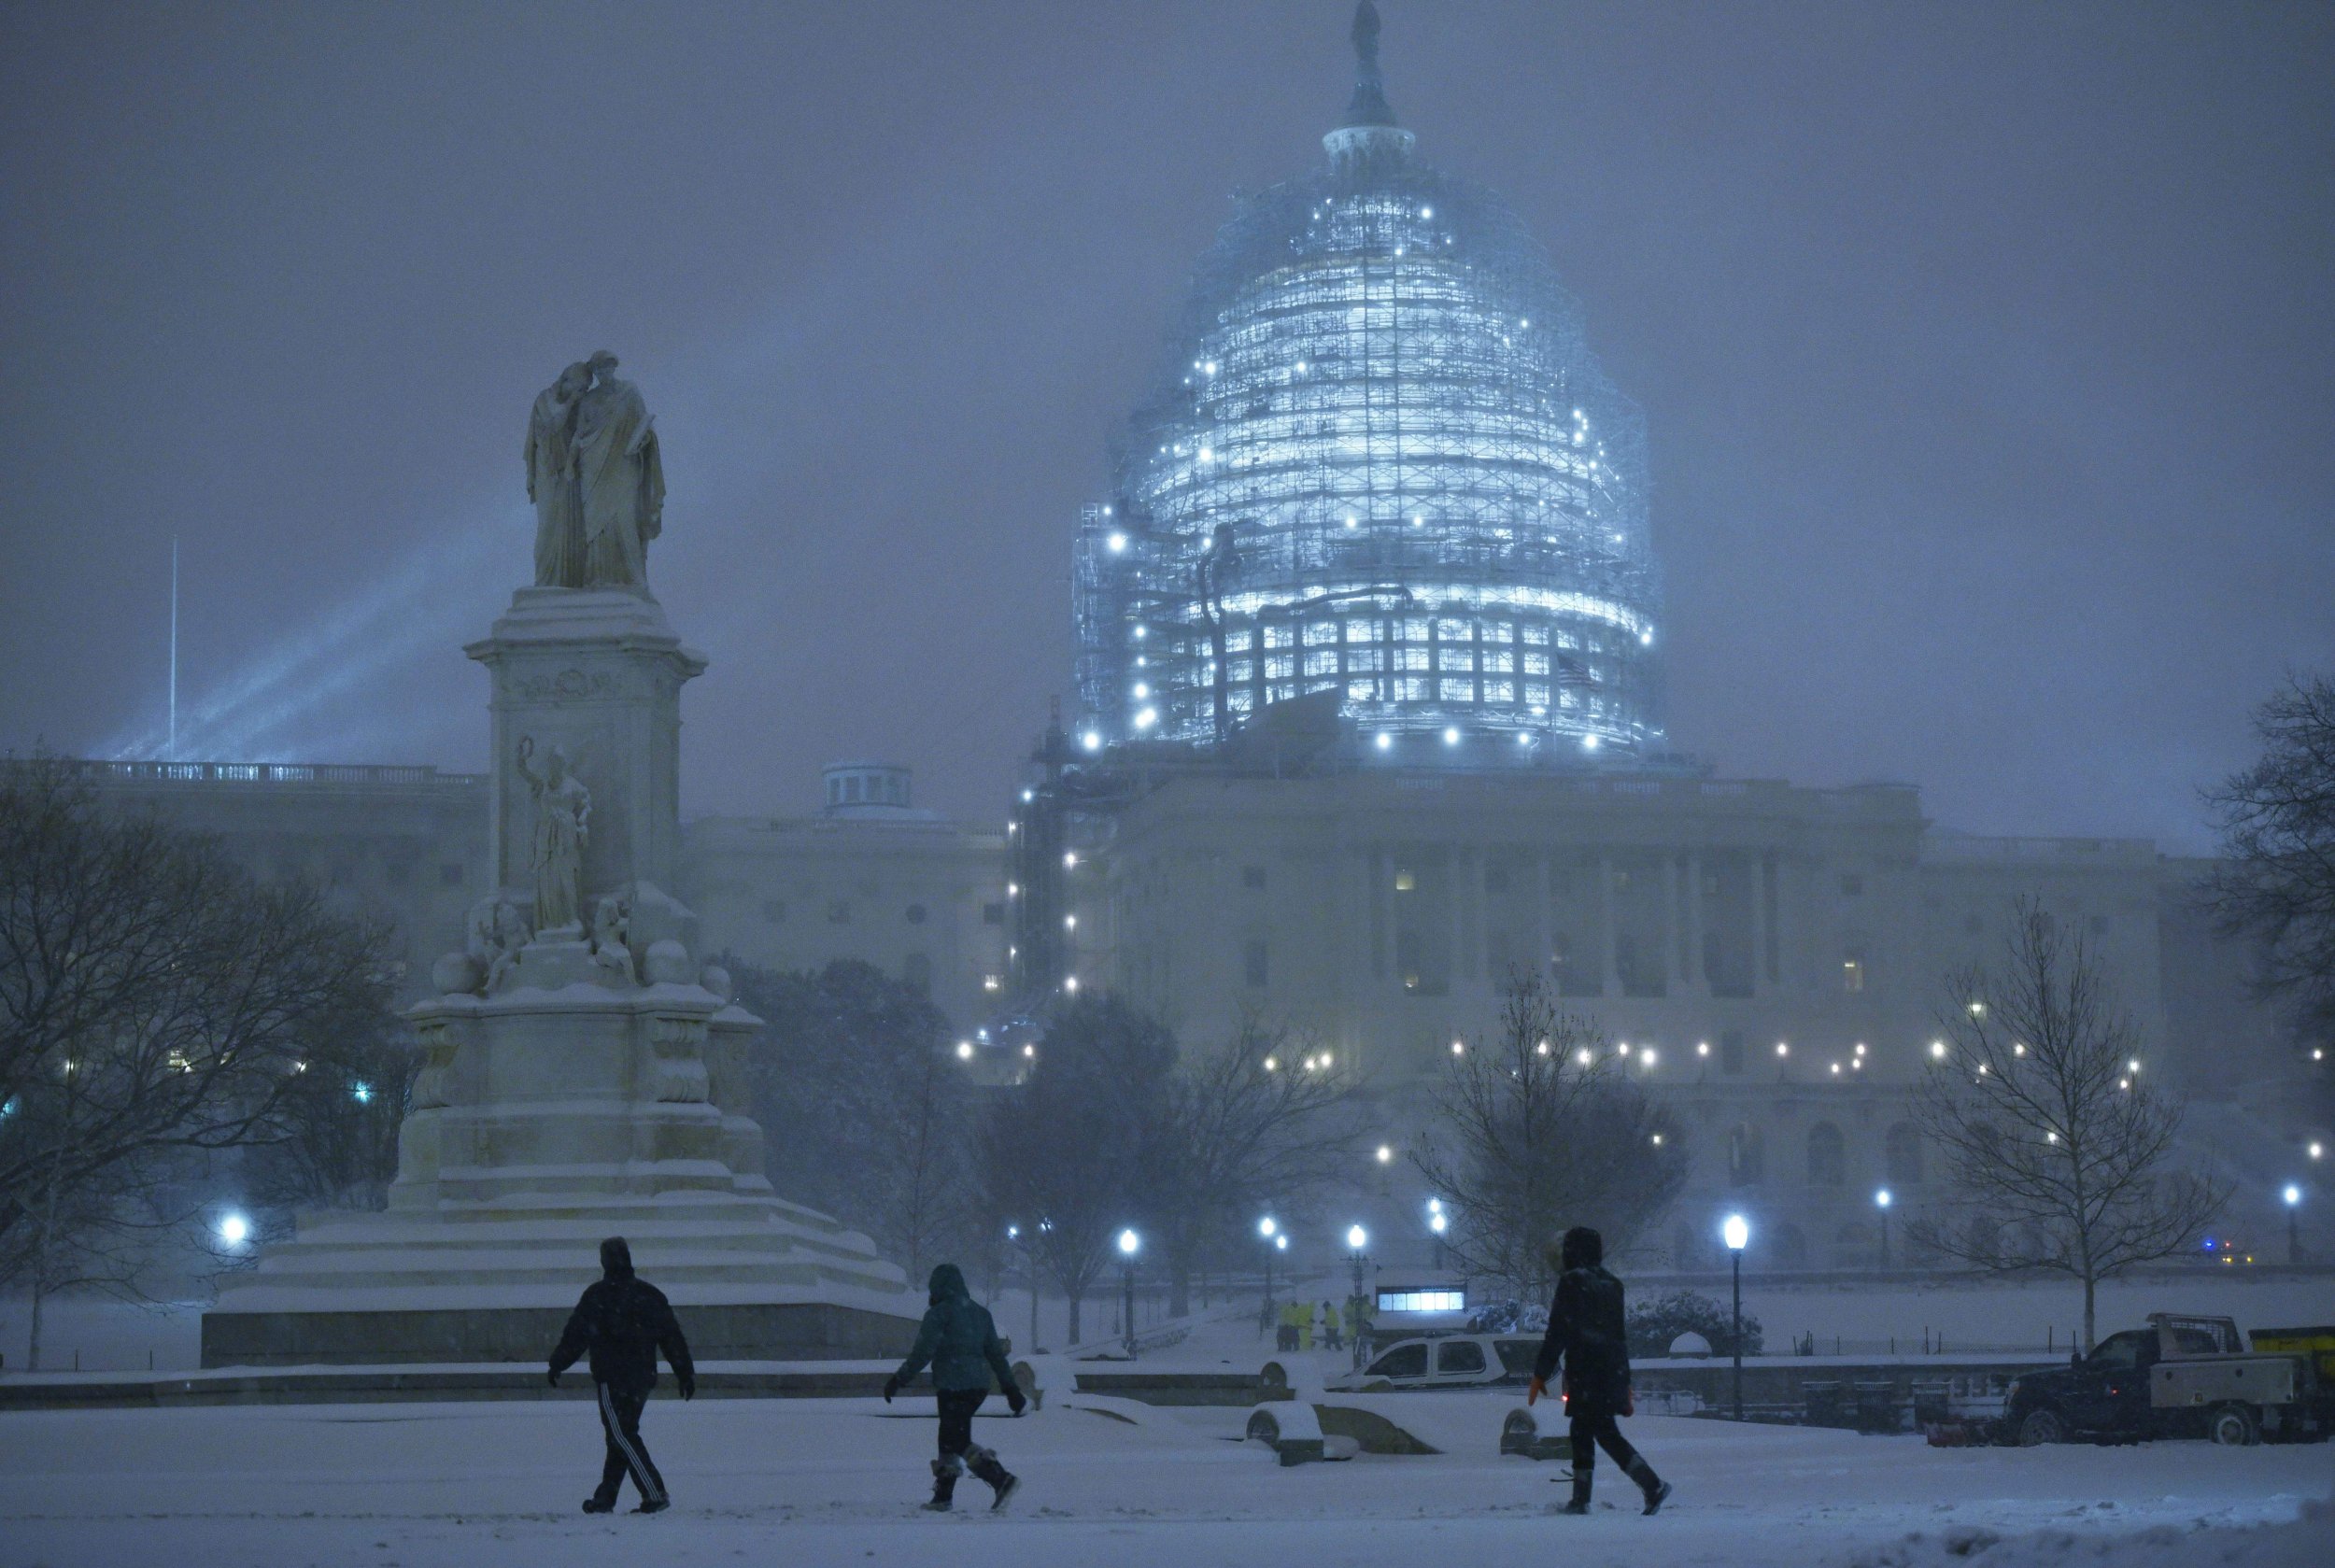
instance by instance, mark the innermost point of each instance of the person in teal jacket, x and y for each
(960, 1340)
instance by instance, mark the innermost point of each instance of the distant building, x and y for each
(1773, 958)
(405, 841)
(869, 876)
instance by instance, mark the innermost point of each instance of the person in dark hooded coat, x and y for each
(621, 1323)
(1586, 1327)
(960, 1341)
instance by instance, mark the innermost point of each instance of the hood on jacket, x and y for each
(1583, 1248)
(616, 1258)
(947, 1283)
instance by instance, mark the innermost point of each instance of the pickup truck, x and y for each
(2181, 1377)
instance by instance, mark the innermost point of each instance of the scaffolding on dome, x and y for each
(1381, 461)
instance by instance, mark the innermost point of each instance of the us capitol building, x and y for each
(1367, 716)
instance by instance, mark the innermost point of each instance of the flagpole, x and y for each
(172, 752)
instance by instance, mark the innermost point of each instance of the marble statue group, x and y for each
(596, 477)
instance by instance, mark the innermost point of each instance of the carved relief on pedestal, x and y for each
(678, 1059)
(568, 685)
(433, 1085)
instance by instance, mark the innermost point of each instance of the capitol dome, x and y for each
(1380, 462)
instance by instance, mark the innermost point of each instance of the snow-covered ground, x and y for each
(1863, 1317)
(836, 1481)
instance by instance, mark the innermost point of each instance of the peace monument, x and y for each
(583, 1071)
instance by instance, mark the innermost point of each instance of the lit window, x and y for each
(1500, 691)
(1499, 661)
(1411, 688)
(1318, 633)
(1456, 691)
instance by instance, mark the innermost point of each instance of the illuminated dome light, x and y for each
(964, 1051)
(1248, 472)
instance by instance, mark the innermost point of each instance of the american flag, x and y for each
(1573, 672)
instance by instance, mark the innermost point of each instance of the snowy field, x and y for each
(837, 1481)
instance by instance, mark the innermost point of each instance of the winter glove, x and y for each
(891, 1387)
(688, 1382)
(552, 1377)
(1534, 1390)
(1017, 1401)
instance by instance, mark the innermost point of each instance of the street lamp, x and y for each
(1270, 1231)
(1129, 1244)
(2293, 1194)
(1738, 1232)
(1356, 1239)
(1881, 1202)
(234, 1229)
(1439, 1222)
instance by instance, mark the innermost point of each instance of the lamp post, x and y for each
(1439, 1222)
(1356, 1239)
(1738, 1232)
(2293, 1194)
(1129, 1244)
(1881, 1202)
(1270, 1229)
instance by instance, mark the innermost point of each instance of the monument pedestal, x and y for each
(575, 1085)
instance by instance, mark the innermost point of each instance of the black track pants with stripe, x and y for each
(620, 1420)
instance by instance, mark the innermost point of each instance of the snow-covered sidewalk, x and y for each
(836, 1481)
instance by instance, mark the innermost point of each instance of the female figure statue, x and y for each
(563, 812)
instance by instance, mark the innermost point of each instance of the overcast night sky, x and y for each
(1988, 354)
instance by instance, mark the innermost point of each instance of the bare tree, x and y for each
(1064, 1156)
(1269, 1115)
(1538, 1128)
(2055, 1141)
(157, 1007)
(2278, 835)
(865, 1116)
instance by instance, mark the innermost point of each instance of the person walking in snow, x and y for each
(960, 1340)
(1331, 1339)
(622, 1322)
(1586, 1329)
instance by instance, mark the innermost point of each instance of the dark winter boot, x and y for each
(983, 1463)
(944, 1474)
(1582, 1475)
(598, 1505)
(1654, 1485)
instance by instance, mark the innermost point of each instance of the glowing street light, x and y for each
(1129, 1244)
(2293, 1194)
(1270, 1230)
(1737, 1232)
(1881, 1201)
(234, 1229)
